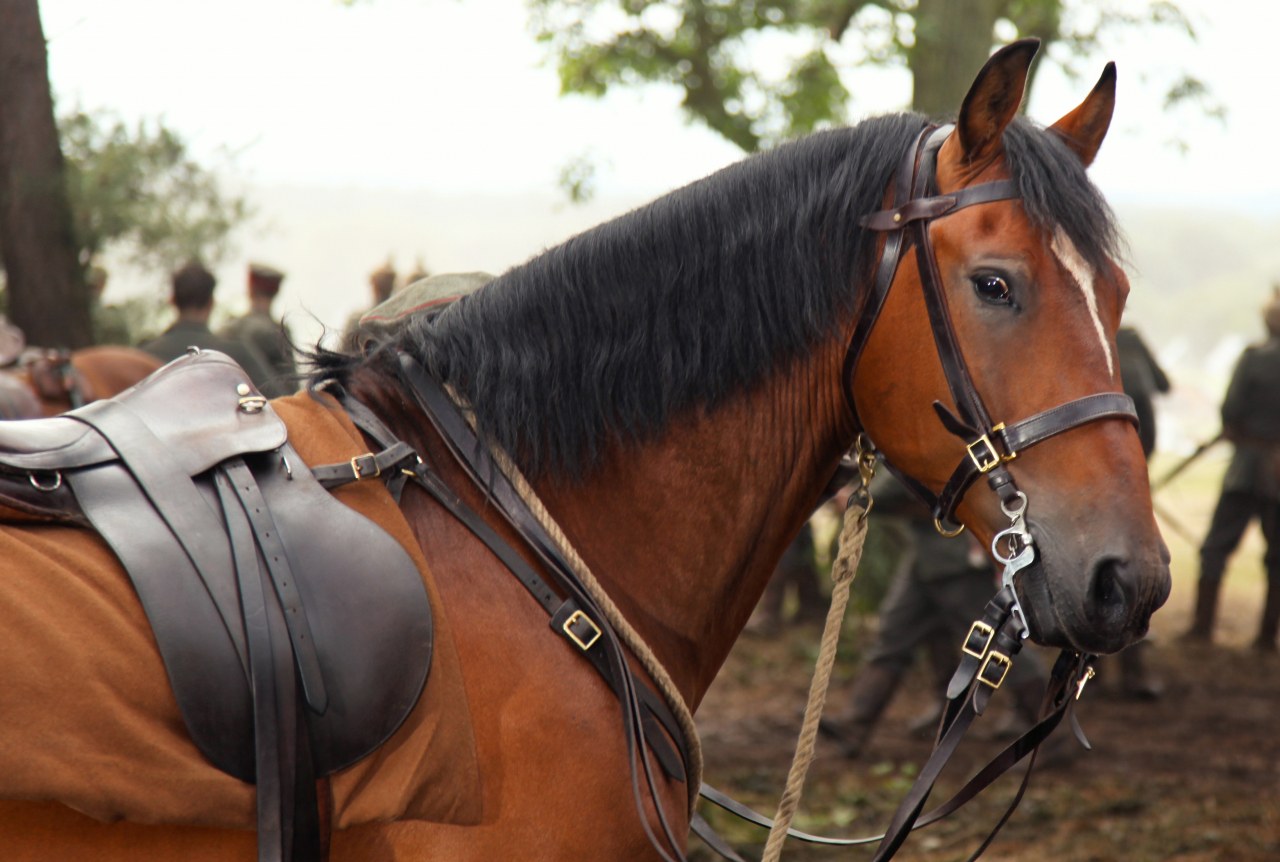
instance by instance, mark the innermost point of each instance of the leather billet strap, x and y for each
(289, 825)
(989, 445)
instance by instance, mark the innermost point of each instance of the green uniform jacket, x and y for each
(1251, 418)
(175, 340)
(272, 340)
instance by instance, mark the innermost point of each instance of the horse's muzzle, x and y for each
(1103, 612)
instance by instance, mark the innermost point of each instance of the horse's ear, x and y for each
(1084, 128)
(994, 98)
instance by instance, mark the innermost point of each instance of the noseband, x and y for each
(989, 445)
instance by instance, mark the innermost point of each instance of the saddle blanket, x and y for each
(87, 717)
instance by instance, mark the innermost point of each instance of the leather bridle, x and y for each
(989, 445)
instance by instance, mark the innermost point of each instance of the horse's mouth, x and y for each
(1052, 623)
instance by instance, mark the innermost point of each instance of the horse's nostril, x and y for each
(1107, 591)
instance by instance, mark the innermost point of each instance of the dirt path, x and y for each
(1193, 776)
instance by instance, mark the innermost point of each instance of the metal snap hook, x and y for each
(1015, 514)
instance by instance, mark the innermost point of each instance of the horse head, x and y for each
(1000, 304)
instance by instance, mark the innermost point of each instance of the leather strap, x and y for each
(245, 488)
(288, 819)
(978, 676)
(1003, 443)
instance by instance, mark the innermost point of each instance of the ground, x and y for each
(1192, 776)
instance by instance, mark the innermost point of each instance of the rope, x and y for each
(633, 640)
(852, 535)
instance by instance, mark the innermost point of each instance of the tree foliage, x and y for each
(715, 50)
(137, 189)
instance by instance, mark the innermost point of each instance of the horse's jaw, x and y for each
(1097, 605)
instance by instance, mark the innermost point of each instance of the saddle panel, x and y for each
(367, 609)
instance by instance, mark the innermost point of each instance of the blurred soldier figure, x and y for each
(797, 572)
(418, 273)
(1251, 487)
(936, 593)
(192, 298)
(268, 336)
(1142, 379)
(382, 282)
(110, 324)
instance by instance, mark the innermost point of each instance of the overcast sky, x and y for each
(453, 95)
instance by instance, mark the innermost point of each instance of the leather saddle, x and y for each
(295, 632)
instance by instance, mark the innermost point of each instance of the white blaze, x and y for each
(1082, 274)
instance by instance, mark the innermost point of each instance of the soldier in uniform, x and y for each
(264, 333)
(382, 282)
(1142, 379)
(192, 298)
(110, 323)
(934, 596)
(1251, 487)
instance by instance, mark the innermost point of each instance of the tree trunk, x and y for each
(953, 38)
(47, 295)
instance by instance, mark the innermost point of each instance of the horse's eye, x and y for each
(992, 289)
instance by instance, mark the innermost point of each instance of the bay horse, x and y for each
(678, 386)
(57, 381)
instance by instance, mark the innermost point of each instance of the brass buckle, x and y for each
(983, 631)
(983, 454)
(579, 616)
(1004, 663)
(359, 472)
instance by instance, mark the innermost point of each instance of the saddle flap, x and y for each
(202, 406)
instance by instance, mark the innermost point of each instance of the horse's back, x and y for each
(109, 369)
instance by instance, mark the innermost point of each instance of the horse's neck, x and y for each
(685, 532)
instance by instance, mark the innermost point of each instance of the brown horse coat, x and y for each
(92, 723)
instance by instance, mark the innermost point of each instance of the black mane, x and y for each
(700, 294)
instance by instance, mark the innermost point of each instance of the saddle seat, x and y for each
(169, 474)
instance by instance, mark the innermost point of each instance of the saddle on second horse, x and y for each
(296, 633)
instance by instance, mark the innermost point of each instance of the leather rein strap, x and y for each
(988, 445)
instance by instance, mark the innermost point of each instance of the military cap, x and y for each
(264, 279)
